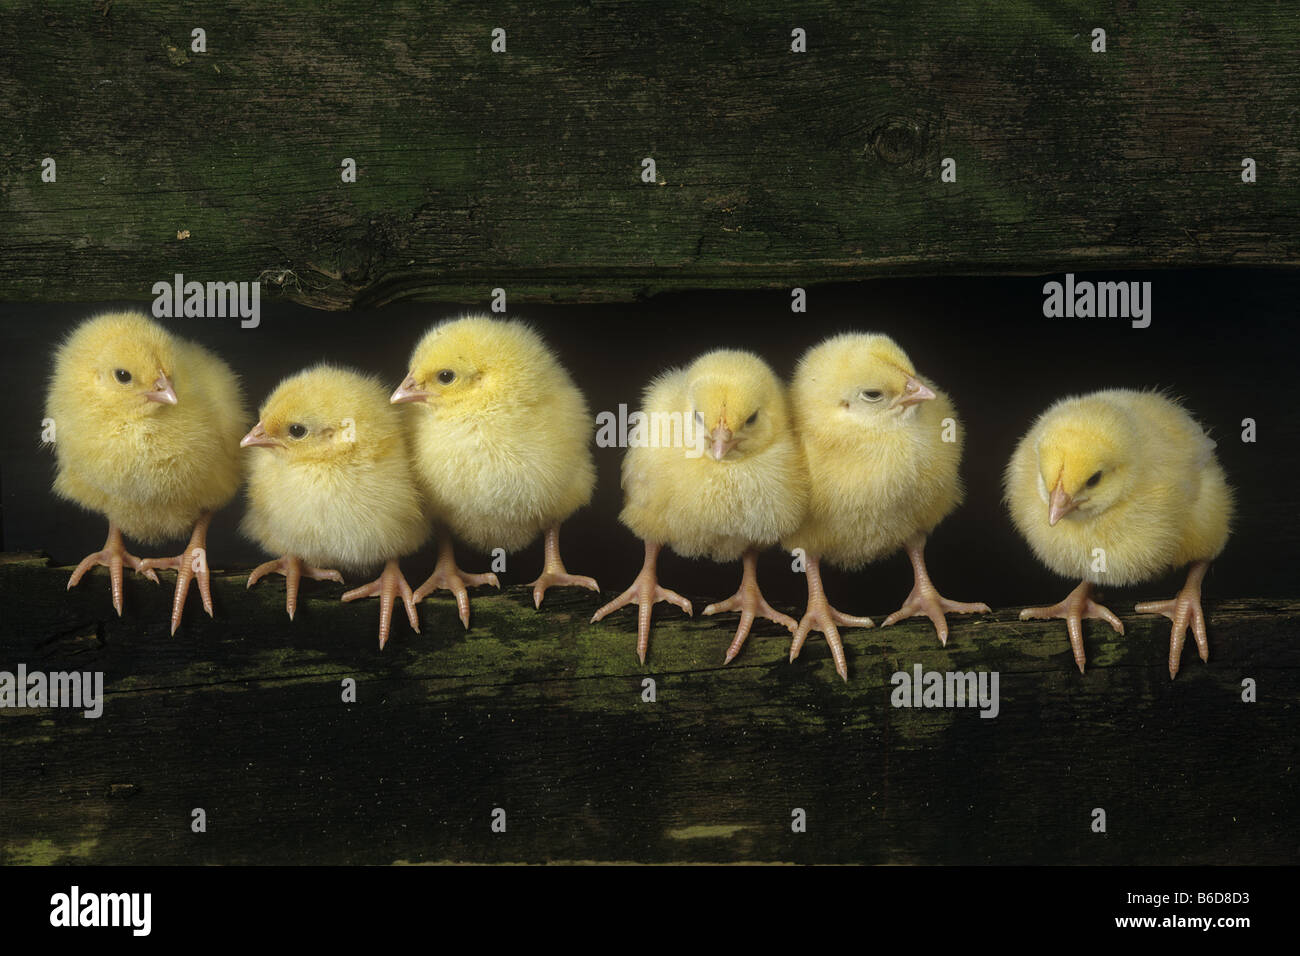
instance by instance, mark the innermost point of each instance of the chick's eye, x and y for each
(122, 375)
(1096, 477)
(297, 431)
(446, 376)
(751, 419)
(871, 394)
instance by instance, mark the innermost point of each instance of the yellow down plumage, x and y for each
(336, 489)
(503, 447)
(678, 493)
(152, 468)
(877, 474)
(1117, 487)
(1161, 500)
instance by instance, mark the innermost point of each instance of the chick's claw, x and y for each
(1078, 604)
(749, 601)
(190, 564)
(1183, 610)
(456, 581)
(386, 587)
(934, 606)
(113, 556)
(645, 592)
(926, 599)
(821, 617)
(550, 579)
(293, 569)
(554, 574)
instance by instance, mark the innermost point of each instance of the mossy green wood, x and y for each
(523, 169)
(542, 714)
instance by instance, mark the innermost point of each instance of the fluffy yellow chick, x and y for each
(883, 446)
(715, 472)
(502, 449)
(1130, 473)
(146, 432)
(331, 483)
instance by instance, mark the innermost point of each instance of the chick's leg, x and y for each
(1077, 605)
(386, 587)
(189, 564)
(113, 556)
(1184, 609)
(448, 576)
(820, 616)
(554, 573)
(645, 592)
(293, 568)
(926, 599)
(749, 601)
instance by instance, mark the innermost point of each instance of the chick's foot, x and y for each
(114, 556)
(1184, 609)
(644, 592)
(293, 569)
(449, 577)
(1077, 605)
(554, 573)
(386, 587)
(190, 564)
(820, 616)
(749, 601)
(926, 599)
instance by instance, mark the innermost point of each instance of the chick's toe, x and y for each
(190, 564)
(926, 599)
(749, 601)
(448, 576)
(386, 587)
(554, 574)
(644, 592)
(293, 569)
(820, 616)
(113, 556)
(1077, 605)
(1184, 609)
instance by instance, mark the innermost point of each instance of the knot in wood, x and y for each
(896, 141)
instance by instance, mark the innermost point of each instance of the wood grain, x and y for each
(541, 714)
(522, 169)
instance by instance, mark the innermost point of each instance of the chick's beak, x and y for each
(163, 391)
(258, 436)
(407, 392)
(721, 442)
(1060, 504)
(914, 392)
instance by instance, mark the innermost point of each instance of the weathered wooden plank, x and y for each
(541, 714)
(522, 168)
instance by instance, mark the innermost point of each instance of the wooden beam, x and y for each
(542, 715)
(522, 169)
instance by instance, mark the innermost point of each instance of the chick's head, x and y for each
(477, 364)
(1084, 456)
(325, 415)
(865, 378)
(126, 361)
(737, 404)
